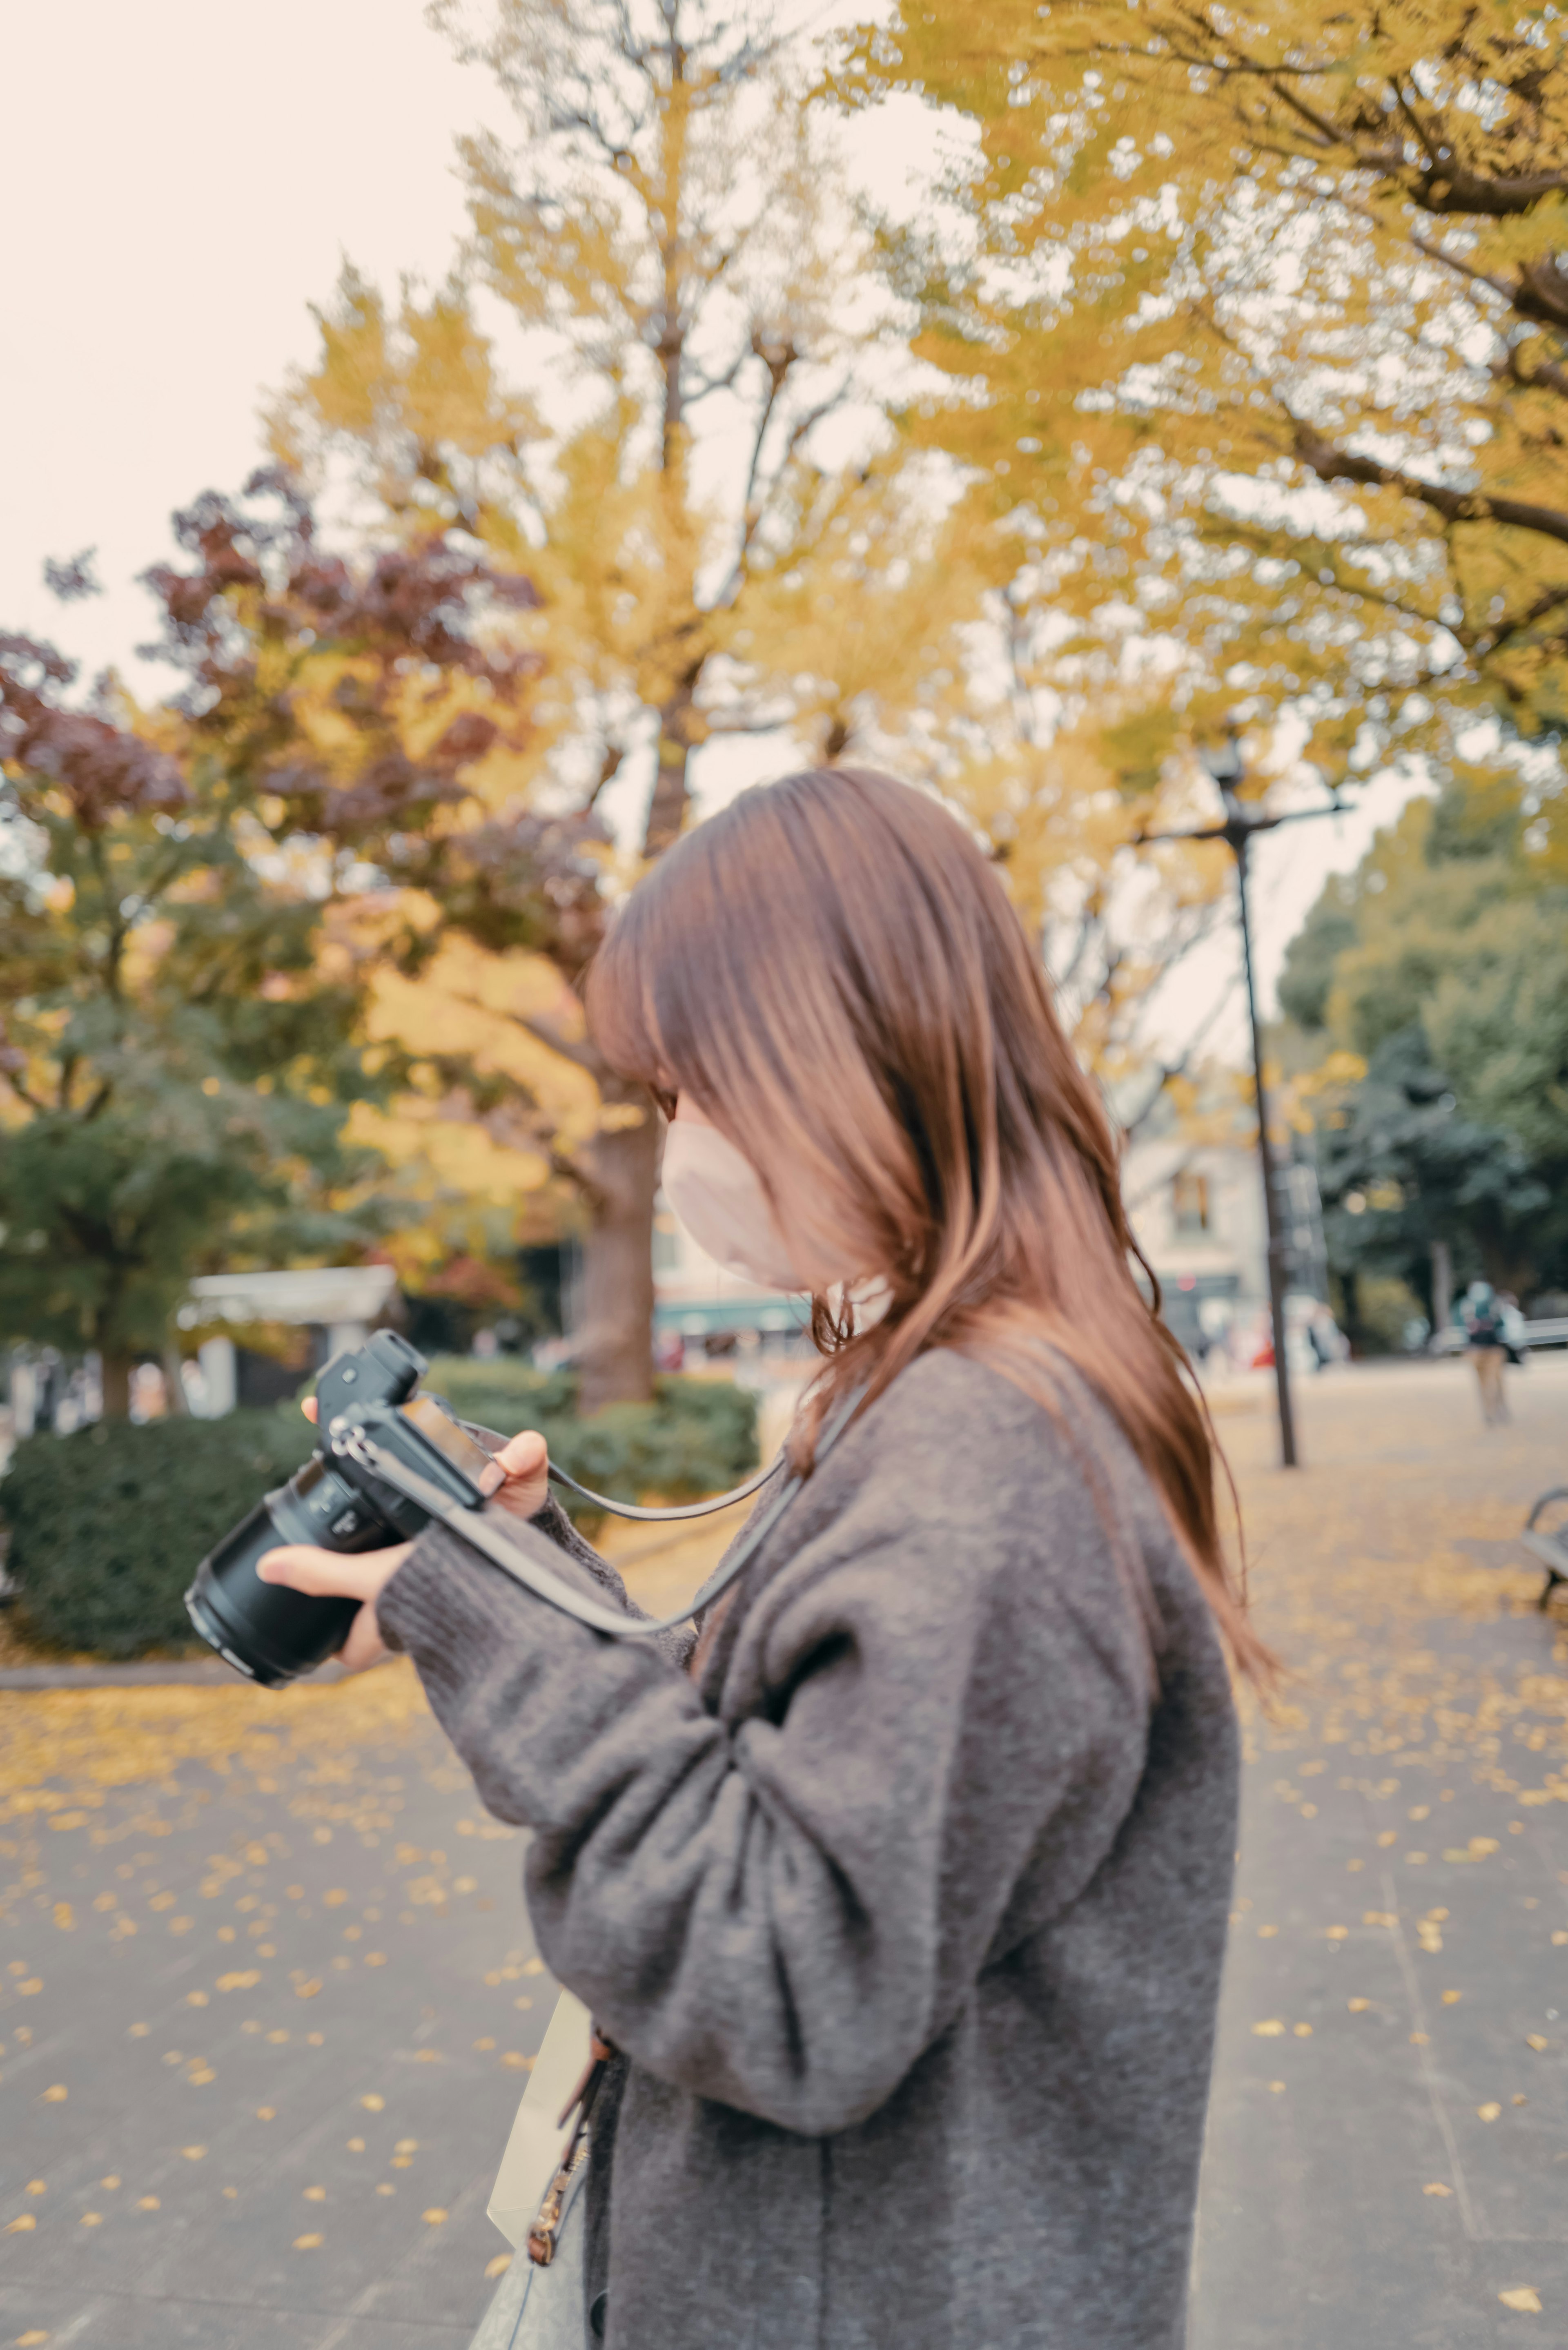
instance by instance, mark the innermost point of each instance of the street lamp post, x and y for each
(1242, 820)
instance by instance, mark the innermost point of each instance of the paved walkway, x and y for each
(1388, 2153)
(269, 1999)
(267, 1994)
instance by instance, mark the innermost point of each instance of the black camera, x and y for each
(337, 1502)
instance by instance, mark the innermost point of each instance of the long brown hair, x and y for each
(832, 972)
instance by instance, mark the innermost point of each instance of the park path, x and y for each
(1388, 2165)
(267, 1994)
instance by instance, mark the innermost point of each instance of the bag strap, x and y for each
(483, 1533)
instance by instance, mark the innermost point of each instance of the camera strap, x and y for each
(659, 1516)
(483, 1531)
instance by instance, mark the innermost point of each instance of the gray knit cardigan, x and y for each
(907, 1913)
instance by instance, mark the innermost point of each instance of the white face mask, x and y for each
(715, 1192)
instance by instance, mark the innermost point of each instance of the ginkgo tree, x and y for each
(722, 541)
(1257, 316)
(723, 536)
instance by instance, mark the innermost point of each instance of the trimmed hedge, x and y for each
(697, 1436)
(107, 1525)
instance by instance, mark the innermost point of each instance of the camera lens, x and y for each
(264, 1629)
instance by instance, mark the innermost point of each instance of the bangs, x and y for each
(662, 991)
(619, 1002)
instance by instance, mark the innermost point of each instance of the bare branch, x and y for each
(609, 767)
(1332, 464)
(577, 1050)
(1551, 600)
(757, 506)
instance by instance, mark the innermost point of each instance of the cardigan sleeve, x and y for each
(780, 1907)
(551, 1519)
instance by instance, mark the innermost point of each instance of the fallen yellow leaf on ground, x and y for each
(1522, 2297)
(1437, 2187)
(499, 2265)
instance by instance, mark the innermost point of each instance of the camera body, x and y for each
(272, 1634)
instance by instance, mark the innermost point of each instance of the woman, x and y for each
(903, 1902)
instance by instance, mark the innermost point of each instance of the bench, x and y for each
(1550, 1548)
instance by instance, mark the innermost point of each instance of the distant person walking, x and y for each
(899, 1899)
(1486, 1336)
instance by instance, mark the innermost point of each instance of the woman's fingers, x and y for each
(525, 1460)
(525, 1455)
(340, 1574)
(311, 1409)
(332, 1573)
(364, 1645)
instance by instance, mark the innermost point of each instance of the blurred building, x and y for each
(699, 1306)
(1197, 1210)
(332, 1305)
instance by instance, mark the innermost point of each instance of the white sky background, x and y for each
(179, 181)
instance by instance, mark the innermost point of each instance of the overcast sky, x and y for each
(179, 181)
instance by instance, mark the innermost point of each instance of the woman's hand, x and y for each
(363, 1575)
(340, 1574)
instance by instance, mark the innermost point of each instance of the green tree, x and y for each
(1433, 983)
(165, 1108)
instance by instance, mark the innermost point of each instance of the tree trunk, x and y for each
(667, 809)
(613, 1339)
(1442, 1286)
(116, 1371)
